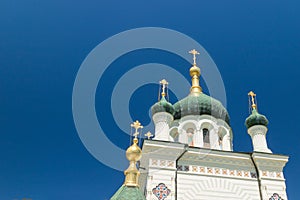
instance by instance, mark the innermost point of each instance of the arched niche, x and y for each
(225, 139)
(209, 134)
(174, 133)
(187, 130)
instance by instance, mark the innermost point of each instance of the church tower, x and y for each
(257, 127)
(162, 115)
(191, 156)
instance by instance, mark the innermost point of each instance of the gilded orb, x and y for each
(134, 153)
(194, 70)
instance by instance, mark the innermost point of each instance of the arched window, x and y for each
(220, 143)
(206, 141)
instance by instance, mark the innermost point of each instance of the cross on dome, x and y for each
(136, 125)
(252, 95)
(195, 74)
(194, 53)
(148, 135)
(164, 84)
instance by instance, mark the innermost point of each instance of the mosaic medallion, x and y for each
(161, 191)
(275, 196)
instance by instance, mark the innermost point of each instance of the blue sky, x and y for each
(255, 44)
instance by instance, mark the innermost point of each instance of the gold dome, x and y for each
(194, 71)
(134, 153)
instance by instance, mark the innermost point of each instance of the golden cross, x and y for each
(136, 125)
(164, 83)
(194, 53)
(252, 95)
(148, 135)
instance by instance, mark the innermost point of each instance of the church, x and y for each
(191, 155)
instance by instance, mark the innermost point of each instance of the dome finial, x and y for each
(252, 95)
(136, 125)
(255, 118)
(195, 74)
(194, 53)
(162, 105)
(148, 135)
(133, 154)
(164, 85)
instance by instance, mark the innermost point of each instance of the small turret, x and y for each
(130, 189)
(257, 127)
(162, 115)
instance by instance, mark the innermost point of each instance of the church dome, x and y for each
(134, 153)
(198, 105)
(162, 106)
(256, 119)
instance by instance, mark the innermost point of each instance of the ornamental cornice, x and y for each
(213, 158)
(217, 171)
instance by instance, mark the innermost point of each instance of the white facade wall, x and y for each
(192, 173)
(270, 167)
(166, 175)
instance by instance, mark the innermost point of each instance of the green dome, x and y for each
(162, 106)
(200, 105)
(256, 119)
(128, 193)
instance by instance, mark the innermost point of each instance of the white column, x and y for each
(214, 139)
(226, 143)
(162, 121)
(258, 135)
(182, 138)
(198, 139)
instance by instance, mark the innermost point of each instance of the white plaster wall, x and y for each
(269, 187)
(157, 176)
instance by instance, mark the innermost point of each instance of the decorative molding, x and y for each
(162, 163)
(217, 171)
(214, 158)
(272, 174)
(228, 172)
